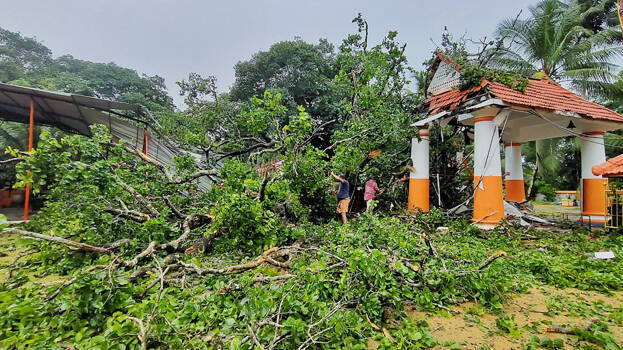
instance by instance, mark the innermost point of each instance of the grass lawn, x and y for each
(549, 210)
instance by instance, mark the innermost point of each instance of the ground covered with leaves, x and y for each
(333, 286)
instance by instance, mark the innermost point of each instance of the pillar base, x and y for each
(418, 195)
(486, 227)
(593, 220)
(488, 202)
(515, 191)
(594, 200)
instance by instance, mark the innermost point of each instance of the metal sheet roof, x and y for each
(75, 113)
(65, 111)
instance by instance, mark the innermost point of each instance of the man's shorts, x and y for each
(342, 205)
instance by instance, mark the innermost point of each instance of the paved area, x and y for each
(13, 214)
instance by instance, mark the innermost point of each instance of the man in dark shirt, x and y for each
(343, 196)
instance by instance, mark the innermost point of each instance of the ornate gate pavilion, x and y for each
(546, 110)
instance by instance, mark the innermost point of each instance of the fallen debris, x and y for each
(601, 255)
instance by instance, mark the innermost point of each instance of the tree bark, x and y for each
(60, 240)
(531, 188)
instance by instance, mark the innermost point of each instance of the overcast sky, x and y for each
(174, 38)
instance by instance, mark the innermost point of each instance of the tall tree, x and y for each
(301, 72)
(553, 40)
(375, 137)
(26, 61)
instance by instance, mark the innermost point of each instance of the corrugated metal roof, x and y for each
(65, 111)
(75, 113)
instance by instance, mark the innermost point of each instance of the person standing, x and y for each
(371, 188)
(343, 196)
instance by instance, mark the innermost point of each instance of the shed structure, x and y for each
(76, 113)
(499, 115)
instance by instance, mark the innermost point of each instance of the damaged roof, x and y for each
(540, 93)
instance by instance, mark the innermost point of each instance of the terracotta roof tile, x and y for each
(544, 93)
(450, 99)
(540, 93)
(613, 167)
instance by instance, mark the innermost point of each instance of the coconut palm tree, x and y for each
(553, 40)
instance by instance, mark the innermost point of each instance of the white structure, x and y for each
(514, 182)
(500, 114)
(488, 201)
(593, 186)
(419, 183)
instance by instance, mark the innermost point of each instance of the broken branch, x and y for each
(60, 240)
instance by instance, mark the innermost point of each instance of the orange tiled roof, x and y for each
(540, 93)
(450, 99)
(613, 167)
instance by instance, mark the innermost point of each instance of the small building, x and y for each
(499, 115)
(567, 197)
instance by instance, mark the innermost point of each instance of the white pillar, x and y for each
(419, 179)
(488, 202)
(515, 191)
(593, 186)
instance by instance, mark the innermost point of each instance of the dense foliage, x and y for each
(342, 285)
(25, 61)
(129, 253)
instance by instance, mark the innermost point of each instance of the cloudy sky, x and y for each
(174, 38)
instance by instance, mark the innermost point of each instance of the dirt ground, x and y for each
(474, 327)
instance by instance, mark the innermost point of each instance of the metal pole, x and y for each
(146, 142)
(31, 126)
(590, 225)
(438, 190)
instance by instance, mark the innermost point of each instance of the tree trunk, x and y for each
(60, 240)
(531, 187)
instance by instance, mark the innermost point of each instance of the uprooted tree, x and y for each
(143, 258)
(140, 241)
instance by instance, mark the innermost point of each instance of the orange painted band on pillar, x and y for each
(31, 127)
(488, 195)
(419, 178)
(593, 186)
(419, 195)
(488, 201)
(594, 197)
(483, 119)
(515, 191)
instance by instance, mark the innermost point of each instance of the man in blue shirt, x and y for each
(343, 196)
